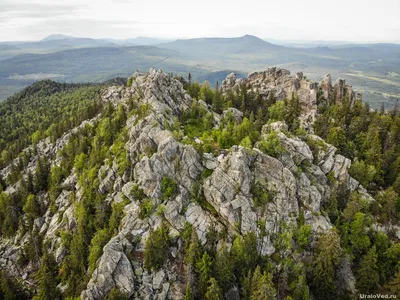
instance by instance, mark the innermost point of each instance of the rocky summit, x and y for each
(160, 200)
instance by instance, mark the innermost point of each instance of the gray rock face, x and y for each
(235, 113)
(107, 176)
(346, 278)
(326, 85)
(340, 90)
(114, 270)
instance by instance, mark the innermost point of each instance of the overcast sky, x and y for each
(342, 20)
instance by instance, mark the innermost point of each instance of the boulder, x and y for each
(113, 271)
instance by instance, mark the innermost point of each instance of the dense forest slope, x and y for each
(267, 187)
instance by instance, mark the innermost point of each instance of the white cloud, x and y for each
(356, 20)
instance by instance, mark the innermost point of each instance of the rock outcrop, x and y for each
(298, 181)
(281, 85)
(339, 91)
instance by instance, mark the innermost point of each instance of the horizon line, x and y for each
(267, 39)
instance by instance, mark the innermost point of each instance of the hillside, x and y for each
(270, 187)
(82, 65)
(219, 46)
(372, 69)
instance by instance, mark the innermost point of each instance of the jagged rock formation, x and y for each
(281, 85)
(298, 181)
(339, 90)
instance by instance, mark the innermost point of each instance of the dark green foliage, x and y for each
(303, 236)
(371, 137)
(260, 194)
(188, 293)
(258, 285)
(157, 248)
(224, 268)
(292, 112)
(214, 292)
(32, 250)
(116, 215)
(245, 254)
(206, 93)
(10, 208)
(325, 265)
(116, 294)
(192, 247)
(276, 112)
(99, 240)
(204, 269)
(368, 277)
(137, 193)
(299, 285)
(217, 102)
(31, 207)
(41, 178)
(389, 211)
(44, 109)
(56, 177)
(362, 172)
(2, 184)
(47, 276)
(146, 207)
(169, 187)
(358, 236)
(393, 287)
(271, 145)
(11, 288)
(206, 173)
(197, 195)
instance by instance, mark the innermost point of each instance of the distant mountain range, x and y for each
(219, 46)
(57, 41)
(371, 68)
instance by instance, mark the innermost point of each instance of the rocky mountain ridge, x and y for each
(299, 182)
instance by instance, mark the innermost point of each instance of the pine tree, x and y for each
(373, 153)
(224, 268)
(204, 268)
(244, 253)
(42, 172)
(31, 207)
(193, 253)
(259, 119)
(190, 79)
(358, 237)
(325, 265)
(393, 286)
(292, 112)
(47, 276)
(188, 292)
(192, 256)
(262, 286)
(213, 291)
(218, 105)
(156, 248)
(11, 289)
(258, 285)
(368, 276)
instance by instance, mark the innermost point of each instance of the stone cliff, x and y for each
(300, 181)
